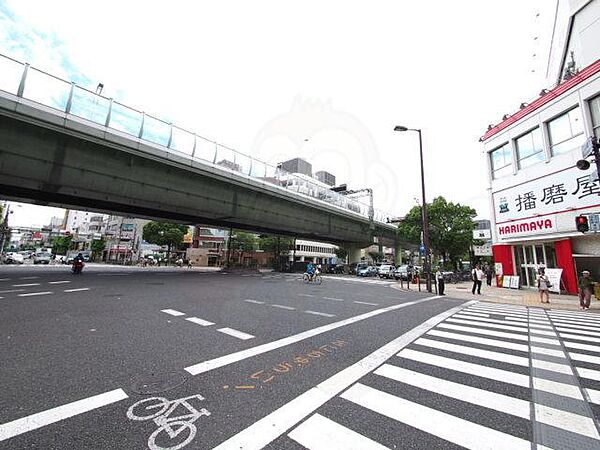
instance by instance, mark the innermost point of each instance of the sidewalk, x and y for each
(525, 297)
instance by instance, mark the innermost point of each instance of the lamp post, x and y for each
(425, 217)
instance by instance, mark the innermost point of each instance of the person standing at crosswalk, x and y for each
(586, 286)
(477, 275)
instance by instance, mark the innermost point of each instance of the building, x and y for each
(325, 177)
(535, 189)
(482, 232)
(296, 165)
(208, 247)
(315, 252)
(123, 237)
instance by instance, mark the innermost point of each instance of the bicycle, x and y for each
(159, 409)
(315, 278)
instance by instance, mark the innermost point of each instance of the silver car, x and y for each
(42, 258)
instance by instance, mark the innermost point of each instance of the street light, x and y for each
(425, 217)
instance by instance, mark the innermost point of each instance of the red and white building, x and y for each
(536, 191)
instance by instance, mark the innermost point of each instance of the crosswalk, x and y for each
(489, 376)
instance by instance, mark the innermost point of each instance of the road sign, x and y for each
(422, 250)
(594, 222)
(587, 148)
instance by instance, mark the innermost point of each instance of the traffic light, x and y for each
(582, 224)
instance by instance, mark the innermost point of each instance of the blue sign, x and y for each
(422, 250)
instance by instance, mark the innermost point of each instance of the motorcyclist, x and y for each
(78, 263)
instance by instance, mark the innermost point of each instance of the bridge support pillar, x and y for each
(354, 254)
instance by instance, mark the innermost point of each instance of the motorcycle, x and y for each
(77, 267)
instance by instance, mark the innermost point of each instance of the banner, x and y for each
(554, 276)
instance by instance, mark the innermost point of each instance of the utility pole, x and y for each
(4, 229)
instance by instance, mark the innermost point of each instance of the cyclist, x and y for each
(310, 270)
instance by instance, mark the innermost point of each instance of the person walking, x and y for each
(585, 289)
(543, 284)
(440, 281)
(488, 275)
(477, 276)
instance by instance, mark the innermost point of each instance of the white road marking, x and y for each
(552, 367)
(496, 309)
(476, 396)
(76, 290)
(254, 301)
(11, 290)
(465, 367)
(366, 303)
(489, 325)
(270, 427)
(586, 321)
(4, 279)
(519, 337)
(58, 282)
(31, 294)
(547, 351)
(306, 295)
(445, 426)
(578, 337)
(321, 433)
(593, 395)
(472, 351)
(591, 374)
(483, 319)
(564, 323)
(202, 322)
(577, 345)
(480, 340)
(28, 278)
(236, 333)
(41, 419)
(544, 340)
(584, 358)
(470, 313)
(334, 299)
(571, 330)
(534, 329)
(173, 312)
(556, 388)
(26, 285)
(317, 313)
(289, 308)
(574, 423)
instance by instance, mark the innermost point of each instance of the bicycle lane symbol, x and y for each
(175, 428)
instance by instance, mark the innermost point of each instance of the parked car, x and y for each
(13, 258)
(42, 258)
(386, 271)
(401, 273)
(369, 271)
(60, 259)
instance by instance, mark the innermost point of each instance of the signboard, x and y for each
(506, 281)
(187, 238)
(594, 222)
(482, 234)
(527, 227)
(482, 250)
(554, 278)
(554, 193)
(514, 282)
(498, 269)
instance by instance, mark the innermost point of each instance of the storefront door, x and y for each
(529, 258)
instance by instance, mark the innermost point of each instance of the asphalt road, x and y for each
(173, 358)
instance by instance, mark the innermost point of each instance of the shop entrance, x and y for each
(529, 258)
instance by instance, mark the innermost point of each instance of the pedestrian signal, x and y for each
(582, 224)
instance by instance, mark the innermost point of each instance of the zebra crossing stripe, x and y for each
(476, 396)
(472, 351)
(578, 346)
(445, 426)
(556, 388)
(565, 323)
(489, 325)
(566, 420)
(469, 313)
(550, 366)
(584, 358)
(466, 367)
(591, 374)
(479, 340)
(547, 351)
(519, 337)
(483, 319)
(593, 395)
(579, 337)
(577, 331)
(320, 433)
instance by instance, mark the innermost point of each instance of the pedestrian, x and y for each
(409, 275)
(477, 276)
(585, 289)
(543, 284)
(488, 275)
(440, 281)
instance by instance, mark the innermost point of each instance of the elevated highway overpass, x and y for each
(62, 145)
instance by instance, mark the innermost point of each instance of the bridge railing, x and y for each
(24, 81)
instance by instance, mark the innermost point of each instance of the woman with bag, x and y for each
(543, 284)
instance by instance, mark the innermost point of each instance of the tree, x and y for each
(450, 228)
(61, 245)
(279, 246)
(97, 246)
(341, 253)
(164, 233)
(376, 256)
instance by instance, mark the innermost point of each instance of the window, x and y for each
(530, 148)
(595, 110)
(566, 132)
(501, 161)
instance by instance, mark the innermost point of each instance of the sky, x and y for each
(326, 81)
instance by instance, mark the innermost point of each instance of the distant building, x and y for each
(297, 165)
(315, 252)
(325, 177)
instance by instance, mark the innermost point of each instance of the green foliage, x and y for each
(98, 245)
(341, 253)
(164, 233)
(272, 243)
(245, 242)
(450, 228)
(376, 256)
(61, 245)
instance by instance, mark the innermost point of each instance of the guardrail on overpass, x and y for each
(27, 82)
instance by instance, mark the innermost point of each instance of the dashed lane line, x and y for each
(317, 313)
(334, 299)
(28, 278)
(257, 302)
(173, 312)
(26, 285)
(41, 419)
(289, 308)
(8, 291)
(76, 290)
(306, 295)
(31, 294)
(235, 333)
(221, 361)
(366, 303)
(198, 321)
(58, 282)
